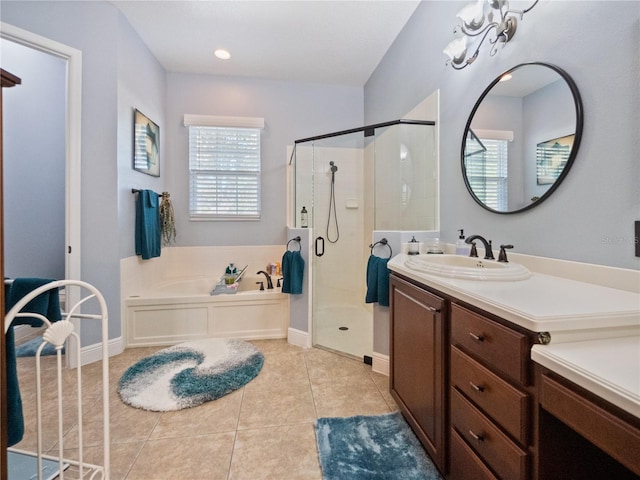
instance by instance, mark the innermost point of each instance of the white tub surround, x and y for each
(567, 308)
(609, 367)
(167, 300)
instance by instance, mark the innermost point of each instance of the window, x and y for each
(487, 170)
(224, 167)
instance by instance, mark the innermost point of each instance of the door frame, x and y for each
(73, 145)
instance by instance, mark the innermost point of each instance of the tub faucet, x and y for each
(488, 253)
(269, 282)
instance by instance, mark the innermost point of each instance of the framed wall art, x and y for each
(551, 158)
(146, 145)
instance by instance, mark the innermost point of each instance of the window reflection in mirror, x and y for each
(521, 138)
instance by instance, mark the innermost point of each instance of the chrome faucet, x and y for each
(488, 252)
(269, 282)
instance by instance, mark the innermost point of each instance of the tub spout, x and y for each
(268, 277)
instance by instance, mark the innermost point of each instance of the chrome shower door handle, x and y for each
(319, 243)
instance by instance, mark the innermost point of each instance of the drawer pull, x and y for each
(477, 388)
(477, 338)
(476, 436)
(432, 309)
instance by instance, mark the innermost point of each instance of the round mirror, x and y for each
(522, 137)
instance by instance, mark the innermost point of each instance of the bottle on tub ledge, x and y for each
(304, 218)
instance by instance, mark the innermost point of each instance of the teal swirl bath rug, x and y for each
(190, 374)
(377, 447)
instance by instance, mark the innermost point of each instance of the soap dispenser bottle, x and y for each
(462, 248)
(304, 218)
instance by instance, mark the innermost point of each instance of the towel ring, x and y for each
(382, 241)
(295, 239)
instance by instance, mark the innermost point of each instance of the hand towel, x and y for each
(47, 304)
(377, 281)
(292, 272)
(372, 280)
(383, 282)
(148, 226)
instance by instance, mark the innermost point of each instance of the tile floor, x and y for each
(262, 431)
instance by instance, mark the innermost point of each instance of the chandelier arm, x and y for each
(479, 32)
(522, 12)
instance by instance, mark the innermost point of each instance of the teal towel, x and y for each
(383, 283)
(377, 281)
(148, 231)
(292, 272)
(372, 280)
(47, 304)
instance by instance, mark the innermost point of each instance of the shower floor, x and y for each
(356, 340)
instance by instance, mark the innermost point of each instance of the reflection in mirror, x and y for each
(521, 137)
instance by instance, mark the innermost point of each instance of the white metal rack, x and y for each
(57, 334)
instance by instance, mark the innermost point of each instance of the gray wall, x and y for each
(91, 27)
(34, 164)
(290, 110)
(590, 217)
(142, 85)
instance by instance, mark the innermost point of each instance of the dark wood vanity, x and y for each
(464, 380)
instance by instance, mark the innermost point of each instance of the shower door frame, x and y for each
(369, 131)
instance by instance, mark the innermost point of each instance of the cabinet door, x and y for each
(417, 363)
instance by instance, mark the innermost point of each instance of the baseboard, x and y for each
(26, 332)
(380, 363)
(93, 353)
(298, 338)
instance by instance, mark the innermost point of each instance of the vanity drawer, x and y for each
(507, 405)
(501, 347)
(507, 459)
(464, 463)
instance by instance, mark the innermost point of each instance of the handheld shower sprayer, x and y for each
(332, 205)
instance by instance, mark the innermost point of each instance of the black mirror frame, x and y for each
(574, 151)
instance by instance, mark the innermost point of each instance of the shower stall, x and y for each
(351, 183)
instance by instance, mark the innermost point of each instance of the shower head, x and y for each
(334, 169)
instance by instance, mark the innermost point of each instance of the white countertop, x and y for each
(542, 303)
(609, 367)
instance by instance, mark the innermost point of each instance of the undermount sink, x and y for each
(467, 268)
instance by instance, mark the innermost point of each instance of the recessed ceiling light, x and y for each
(506, 77)
(222, 54)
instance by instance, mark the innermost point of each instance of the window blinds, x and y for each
(487, 173)
(224, 172)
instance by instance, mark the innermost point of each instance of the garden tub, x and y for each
(183, 309)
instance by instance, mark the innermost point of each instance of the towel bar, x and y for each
(135, 190)
(382, 241)
(295, 239)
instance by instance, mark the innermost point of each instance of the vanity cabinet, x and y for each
(490, 401)
(537, 380)
(418, 344)
(462, 381)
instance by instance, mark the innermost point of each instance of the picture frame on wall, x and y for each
(552, 157)
(146, 145)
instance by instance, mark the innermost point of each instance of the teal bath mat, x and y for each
(380, 447)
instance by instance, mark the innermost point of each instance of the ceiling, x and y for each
(327, 41)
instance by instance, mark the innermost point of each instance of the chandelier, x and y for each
(484, 19)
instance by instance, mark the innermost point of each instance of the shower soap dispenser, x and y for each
(414, 246)
(462, 248)
(304, 218)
